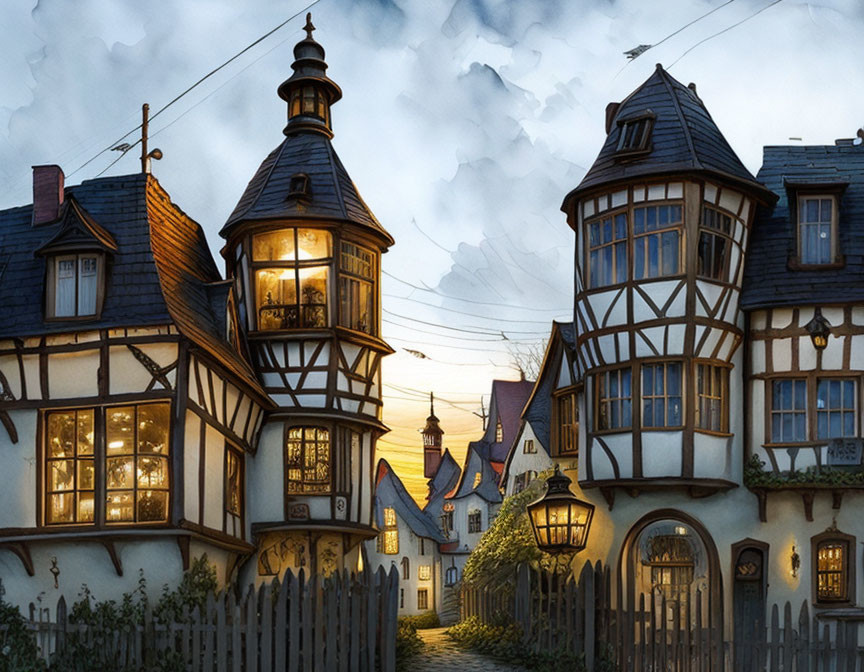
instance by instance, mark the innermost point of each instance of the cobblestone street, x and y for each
(442, 655)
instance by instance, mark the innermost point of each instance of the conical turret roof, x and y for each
(684, 139)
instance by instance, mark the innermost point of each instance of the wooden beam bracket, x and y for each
(115, 557)
(609, 496)
(183, 544)
(837, 499)
(762, 496)
(22, 550)
(807, 498)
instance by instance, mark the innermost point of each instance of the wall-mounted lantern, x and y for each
(559, 520)
(795, 562)
(819, 328)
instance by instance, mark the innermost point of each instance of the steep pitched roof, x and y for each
(332, 194)
(508, 400)
(159, 273)
(391, 492)
(77, 230)
(445, 478)
(477, 460)
(768, 281)
(684, 139)
(133, 295)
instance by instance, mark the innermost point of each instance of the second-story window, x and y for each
(817, 229)
(613, 398)
(657, 240)
(307, 461)
(357, 288)
(475, 522)
(712, 389)
(567, 415)
(835, 408)
(388, 538)
(233, 491)
(661, 395)
(528, 447)
(607, 250)
(292, 270)
(74, 285)
(789, 411)
(715, 241)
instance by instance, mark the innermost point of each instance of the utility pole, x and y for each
(145, 123)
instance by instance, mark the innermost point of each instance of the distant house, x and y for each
(549, 428)
(409, 539)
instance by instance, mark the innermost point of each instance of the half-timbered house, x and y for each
(129, 413)
(409, 538)
(717, 373)
(304, 252)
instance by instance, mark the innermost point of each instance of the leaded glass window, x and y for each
(307, 460)
(661, 395)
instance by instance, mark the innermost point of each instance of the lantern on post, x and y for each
(559, 520)
(819, 328)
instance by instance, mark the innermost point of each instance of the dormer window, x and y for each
(298, 186)
(74, 285)
(635, 134)
(817, 229)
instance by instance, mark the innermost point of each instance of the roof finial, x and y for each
(309, 27)
(431, 403)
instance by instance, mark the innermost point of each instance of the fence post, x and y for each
(389, 612)
(279, 643)
(251, 630)
(292, 587)
(587, 583)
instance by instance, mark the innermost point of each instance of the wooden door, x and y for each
(748, 605)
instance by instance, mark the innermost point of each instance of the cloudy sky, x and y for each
(463, 123)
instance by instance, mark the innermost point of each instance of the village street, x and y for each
(442, 655)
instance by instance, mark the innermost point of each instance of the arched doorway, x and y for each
(671, 593)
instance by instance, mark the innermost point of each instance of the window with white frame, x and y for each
(74, 283)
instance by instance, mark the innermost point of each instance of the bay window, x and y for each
(292, 276)
(715, 241)
(607, 250)
(73, 288)
(613, 399)
(657, 240)
(125, 448)
(357, 288)
(307, 461)
(661, 395)
(712, 392)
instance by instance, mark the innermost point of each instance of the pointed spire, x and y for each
(432, 405)
(308, 91)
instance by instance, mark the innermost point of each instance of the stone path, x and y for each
(442, 655)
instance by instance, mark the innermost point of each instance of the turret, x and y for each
(432, 434)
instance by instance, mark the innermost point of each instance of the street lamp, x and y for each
(559, 520)
(818, 328)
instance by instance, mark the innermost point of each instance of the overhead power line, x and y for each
(457, 298)
(195, 85)
(725, 30)
(462, 312)
(470, 329)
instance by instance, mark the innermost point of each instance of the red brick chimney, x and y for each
(47, 193)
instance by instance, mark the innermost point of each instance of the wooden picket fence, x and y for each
(558, 613)
(337, 624)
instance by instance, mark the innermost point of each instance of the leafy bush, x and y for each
(503, 639)
(408, 644)
(509, 541)
(424, 621)
(18, 651)
(755, 475)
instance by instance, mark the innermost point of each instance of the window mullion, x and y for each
(99, 487)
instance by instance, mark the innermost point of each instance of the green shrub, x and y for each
(18, 650)
(424, 621)
(503, 639)
(509, 540)
(408, 644)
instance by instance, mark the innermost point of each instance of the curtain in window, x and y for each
(64, 293)
(87, 287)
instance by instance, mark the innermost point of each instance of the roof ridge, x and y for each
(338, 187)
(665, 78)
(254, 201)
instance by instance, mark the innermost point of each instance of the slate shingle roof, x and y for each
(333, 195)
(158, 274)
(133, 292)
(767, 279)
(391, 492)
(509, 399)
(685, 139)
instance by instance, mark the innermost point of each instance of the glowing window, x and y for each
(424, 572)
(69, 467)
(831, 571)
(307, 460)
(388, 538)
(357, 288)
(233, 492)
